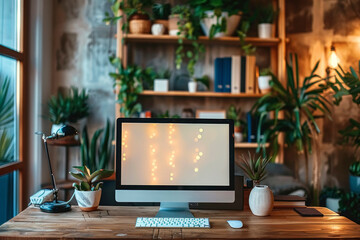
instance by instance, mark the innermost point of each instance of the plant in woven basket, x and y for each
(254, 168)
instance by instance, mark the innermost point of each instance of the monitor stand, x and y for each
(174, 210)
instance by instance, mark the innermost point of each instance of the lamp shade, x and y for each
(66, 135)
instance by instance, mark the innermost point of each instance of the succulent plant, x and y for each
(254, 169)
(87, 179)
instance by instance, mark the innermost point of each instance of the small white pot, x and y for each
(261, 200)
(333, 204)
(55, 127)
(238, 137)
(161, 85)
(157, 29)
(88, 200)
(231, 23)
(264, 83)
(266, 30)
(192, 86)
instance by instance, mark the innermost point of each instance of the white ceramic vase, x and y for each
(333, 204)
(261, 200)
(88, 200)
(157, 29)
(192, 86)
(161, 85)
(266, 30)
(264, 83)
(231, 23)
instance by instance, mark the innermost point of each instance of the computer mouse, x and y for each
(235, 223)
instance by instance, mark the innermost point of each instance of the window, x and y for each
(11, 100)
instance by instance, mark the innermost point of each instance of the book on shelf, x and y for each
(235, 74)
(218, 75)
(289, 201)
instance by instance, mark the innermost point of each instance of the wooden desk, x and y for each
(119, 222)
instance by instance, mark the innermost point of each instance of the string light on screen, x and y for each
(172, 153)
(124, 145)
(198, 154)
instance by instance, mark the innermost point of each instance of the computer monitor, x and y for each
(174, 162)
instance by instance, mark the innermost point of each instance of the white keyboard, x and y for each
(146, 222)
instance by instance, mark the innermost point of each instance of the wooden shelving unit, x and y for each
(201, 94)
(149, 38)
(277, 53)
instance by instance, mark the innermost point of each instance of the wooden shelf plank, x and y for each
(248, 145)
(149, 38)
(201, 94)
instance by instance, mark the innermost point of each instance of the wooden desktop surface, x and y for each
(119, 222)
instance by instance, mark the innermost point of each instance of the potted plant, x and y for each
(330, 197)
(349, 206)
(261, 199)
(161, 82)
(354, 178)
(161, 13)
(174, 19)
(298, 101)
(264, 79)
(68, 108)
(218, 18)
(129, 82)
(234, 114)
(88, 194)
(267, 16)
(347, 83)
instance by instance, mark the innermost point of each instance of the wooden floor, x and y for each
(119, 222)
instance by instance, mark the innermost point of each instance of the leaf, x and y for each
(84, 186)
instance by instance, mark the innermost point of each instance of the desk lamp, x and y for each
(64, 132)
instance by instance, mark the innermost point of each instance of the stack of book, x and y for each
(289, 201)
(235, 74)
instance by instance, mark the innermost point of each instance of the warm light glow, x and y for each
(196, 169)
(196, 140)
(154, 178)
(196, 149)
(200, 153)
(123, 143)
(170, 163)
(199, 136)
(197, 158)
(124, 159)
(333, 59)
(153, 150)
(171, 174)
(171, 142)
(171, 179)
(195, 161)
(201, 130)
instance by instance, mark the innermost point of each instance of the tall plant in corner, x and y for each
(6, 118)
(301, 103)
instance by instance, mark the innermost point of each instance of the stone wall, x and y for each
(312, 27)
(82, 44)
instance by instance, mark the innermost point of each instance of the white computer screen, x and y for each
(175, 154)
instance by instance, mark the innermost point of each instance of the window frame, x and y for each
(22, 96)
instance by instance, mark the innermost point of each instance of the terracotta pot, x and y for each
(261, 200)
(139, 26)
(173, 24)
(88, 200)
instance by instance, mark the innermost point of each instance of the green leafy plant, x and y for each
(330, 192)
(247, 48)
(234, 114)
(161, 11)
(298, 101)
(189, 28)
(163, 74)
(267, 14)
(204, 80)
(354, 169)
(218, 6)
(254, 168)
(167, 115)
(96, 153)
(266, 72)
(68, 108)
(349, 206)
(88, 179)
(348, 84)
(130, 82)
(129, 8)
